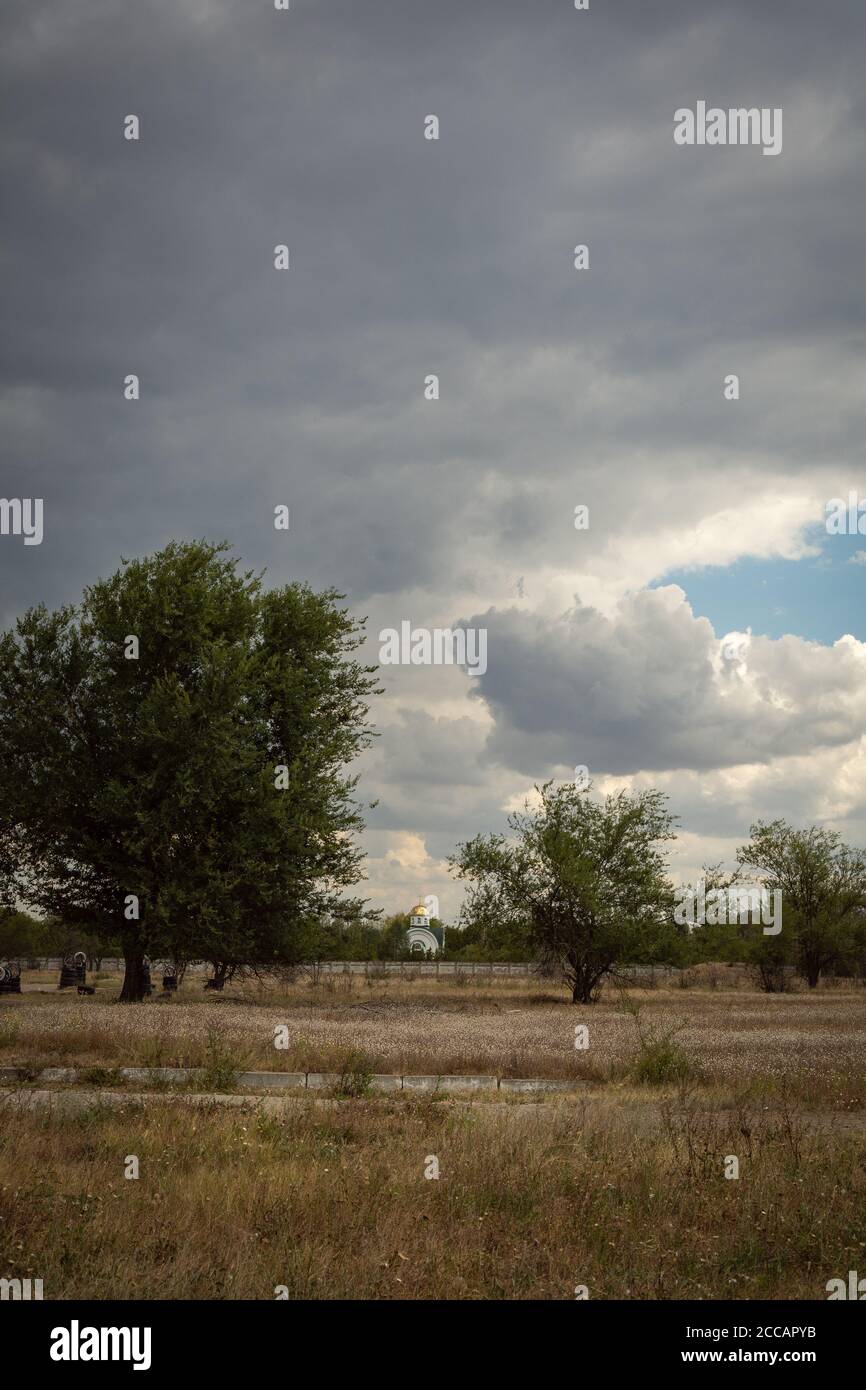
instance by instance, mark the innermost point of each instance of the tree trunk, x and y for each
(809, 967)
(584, 978)
(134, 978)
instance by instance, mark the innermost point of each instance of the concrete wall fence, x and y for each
(112, 966)
(404, 969)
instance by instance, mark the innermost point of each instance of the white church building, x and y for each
(422, 937)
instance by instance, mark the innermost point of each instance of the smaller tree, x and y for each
(823, 886)
(586, 880)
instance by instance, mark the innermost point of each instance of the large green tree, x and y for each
(823, 886)
(174, 759)
(586, 880)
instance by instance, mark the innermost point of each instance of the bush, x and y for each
(356, 1074)
(102, 1076)
(661, 1062)
(221, 1065)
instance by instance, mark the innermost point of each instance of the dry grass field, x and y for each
(332, 1203)
(809, 1043)
(618, 1186)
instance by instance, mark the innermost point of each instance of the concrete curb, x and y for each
(450, 1083)
(299, 1080)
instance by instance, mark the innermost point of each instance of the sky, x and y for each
(705, 634)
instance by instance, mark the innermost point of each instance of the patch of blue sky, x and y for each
(820, 597)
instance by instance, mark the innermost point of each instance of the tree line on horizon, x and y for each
(174, 786)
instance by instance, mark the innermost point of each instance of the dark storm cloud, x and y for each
(407, 257)
(648, 690)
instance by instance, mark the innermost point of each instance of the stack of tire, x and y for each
(10, 977)
(73, 971)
